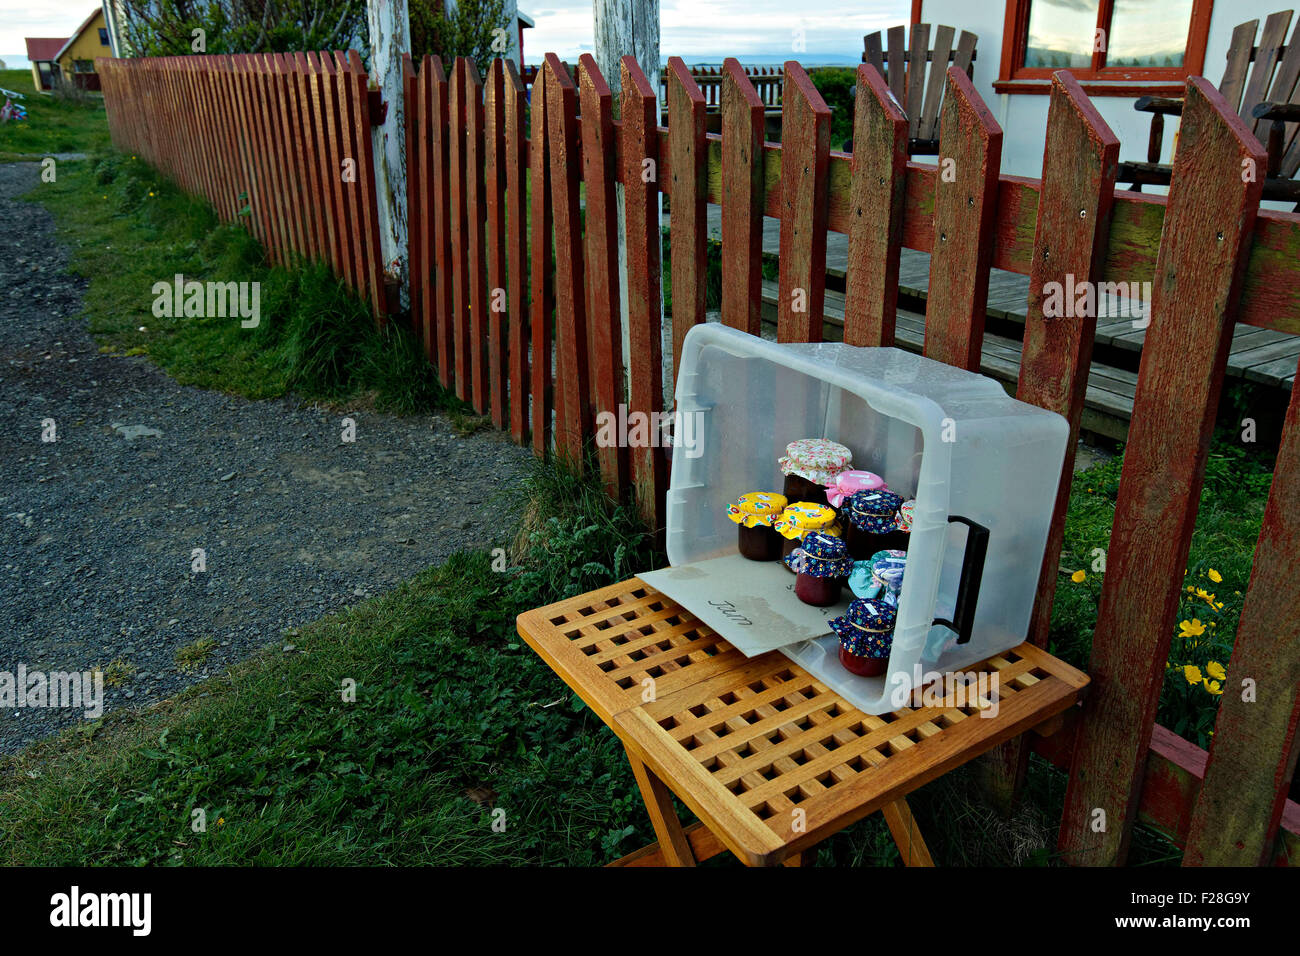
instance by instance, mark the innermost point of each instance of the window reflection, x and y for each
(1061, 33)
(1148, 33)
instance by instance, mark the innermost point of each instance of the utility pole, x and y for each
(390, 37)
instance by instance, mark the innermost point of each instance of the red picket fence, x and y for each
(493, 286)
(278, 140)
(515, 289)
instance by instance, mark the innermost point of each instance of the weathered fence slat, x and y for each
(572, 385)
(517, 251)
(459, 230)
(688, 166)
(604, 315)
(1080, 159)
(805, 156)
(494, 188)
(423, 220)
(440, 153)
(965, 214)
(876, 224)
(1253, 751)
(742, 201)
(640, 114)
(351, 173)
(474, 216)
(1203, 250)
(540, 266)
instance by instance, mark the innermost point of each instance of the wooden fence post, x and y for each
(1080, 159)
(600, 174)
(805, 160)
(494, 193)
(965, 216)
(876, 202)
(442, 129)
(540, 266)
(517, 252)
(1203, 249)
(689, 155)
(572, 386)
(742, 201)
(1253, 752)
(644, 303)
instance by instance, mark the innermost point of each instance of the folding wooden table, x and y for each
(768, 758)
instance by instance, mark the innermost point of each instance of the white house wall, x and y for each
(1024, 116)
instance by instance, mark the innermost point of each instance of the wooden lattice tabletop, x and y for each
(770, 759)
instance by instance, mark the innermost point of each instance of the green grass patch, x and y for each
(129, 228)
(1223, 544)
(56, 123)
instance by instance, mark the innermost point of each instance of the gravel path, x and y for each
(97, 529)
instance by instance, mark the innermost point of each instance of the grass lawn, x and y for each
(453, 717)
(54, 124)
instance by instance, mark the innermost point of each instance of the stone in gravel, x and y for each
(132, 432)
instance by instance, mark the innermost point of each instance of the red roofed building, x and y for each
(43, 52)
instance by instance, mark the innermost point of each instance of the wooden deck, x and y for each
(1258, 355)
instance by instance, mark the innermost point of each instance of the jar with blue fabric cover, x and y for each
(821, 563)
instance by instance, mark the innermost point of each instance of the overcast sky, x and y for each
(690, 28)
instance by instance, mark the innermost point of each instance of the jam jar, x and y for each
(821, 563)
(810, 465)
(866, 634)
(868, 518)
(899, 538)
(848, 483)
(755, 513)
(881, 576)
(800, 518)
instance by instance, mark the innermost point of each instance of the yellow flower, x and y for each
(1215, 670)
(1190, 589)
(1192, 673)
(1204, 595)
(1213, 687)
(221, 821)
(1219, 606)
(1192, 628)
(1078, 577)
(1215, 576)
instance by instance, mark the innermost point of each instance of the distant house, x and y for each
(76, 58)
(44, 53)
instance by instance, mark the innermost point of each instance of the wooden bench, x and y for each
(768, 758)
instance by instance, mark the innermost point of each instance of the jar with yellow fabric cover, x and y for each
(755, 513)
(800, 518)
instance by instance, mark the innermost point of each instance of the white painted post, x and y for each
(627, 28)
(390, 37)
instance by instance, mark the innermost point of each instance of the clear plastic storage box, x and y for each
(971, 456)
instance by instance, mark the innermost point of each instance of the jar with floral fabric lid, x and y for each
(868, 518)
(849, 483)
(901, 536)
(755, 514)
(822, 563)
(810, 465)
(866, 633)
(800, 518)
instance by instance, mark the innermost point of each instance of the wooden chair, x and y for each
(916, 85)
(1266, 96)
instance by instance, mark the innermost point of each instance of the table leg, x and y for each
(674, 846)
(907, 837)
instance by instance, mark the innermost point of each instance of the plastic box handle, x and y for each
(972, 573)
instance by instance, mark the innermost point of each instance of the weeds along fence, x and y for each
(515, 290)
(280, 141)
